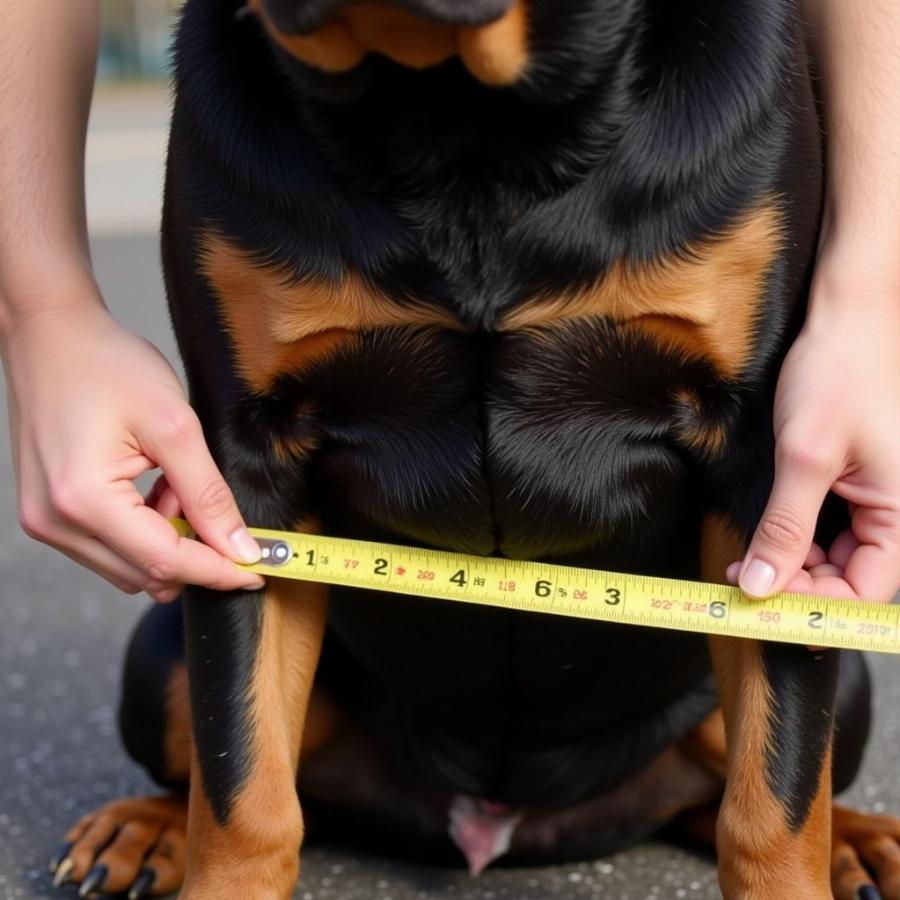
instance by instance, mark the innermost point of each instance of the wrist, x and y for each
(38, 289)
(857, 274)
(859, 249)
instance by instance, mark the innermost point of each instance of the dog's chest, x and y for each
(564, 422)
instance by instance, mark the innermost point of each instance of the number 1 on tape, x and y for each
(568, 591)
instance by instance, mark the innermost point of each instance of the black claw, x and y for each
(61, 853)
(868, 892)
(94, 880)
(143, 884)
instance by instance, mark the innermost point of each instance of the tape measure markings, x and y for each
(549, 588)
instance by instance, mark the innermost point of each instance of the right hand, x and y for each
(91, 407)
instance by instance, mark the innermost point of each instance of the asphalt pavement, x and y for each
(63, 631)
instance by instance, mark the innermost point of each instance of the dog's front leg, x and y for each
(774, 828)
(251, 662)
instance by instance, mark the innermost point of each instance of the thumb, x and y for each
(785, 533)
(180, 449)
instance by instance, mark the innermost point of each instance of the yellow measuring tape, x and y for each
(568, 591)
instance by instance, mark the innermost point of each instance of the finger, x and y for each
(180, 449)
(784, 536)
(732, 572)
(150, 543)
(168, 594)
(151, 498)
(94, 555)
(91, 553)
(826, 569)
(874, 566)
(168, 506)
(815, 557)
(824, 585)
(842, 548)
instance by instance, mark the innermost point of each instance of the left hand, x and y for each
(837, 428)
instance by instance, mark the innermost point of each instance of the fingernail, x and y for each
(244, 546)
(868, 892)
(256, 585)
(757, 579)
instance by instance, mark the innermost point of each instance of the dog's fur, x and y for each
(525, 299)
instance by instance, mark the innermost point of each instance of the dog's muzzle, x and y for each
(490, 36)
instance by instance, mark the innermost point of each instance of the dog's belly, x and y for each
(558, 445)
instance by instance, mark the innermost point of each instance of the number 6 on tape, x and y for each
(568, 591)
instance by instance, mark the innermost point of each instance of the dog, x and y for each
(504, 277)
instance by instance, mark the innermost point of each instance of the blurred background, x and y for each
(136, 38)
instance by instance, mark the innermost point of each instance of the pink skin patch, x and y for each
(482, 830)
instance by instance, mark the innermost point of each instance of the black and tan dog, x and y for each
(509, 278)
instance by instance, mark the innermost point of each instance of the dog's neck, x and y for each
(416, 133)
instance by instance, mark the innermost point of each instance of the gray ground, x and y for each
(62, 633)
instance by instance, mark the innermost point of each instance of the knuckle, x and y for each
(214, 498)
(176, 425)
(160, 570)
(806, 455)
(68, 498)
(34, 521)
(782, 529)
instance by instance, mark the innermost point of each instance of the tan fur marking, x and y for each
(706, 744)
(278, 324)
(399, 35)
(177, 737)
(758, 854)
(496, 54)
(289, 448)
(260, 843)
(704, 302)
(692, 430)
(331, 48)
(720, 545)
(324, 721)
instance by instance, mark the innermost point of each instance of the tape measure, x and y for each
(580, 593)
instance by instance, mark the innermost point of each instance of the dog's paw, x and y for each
(865, 856)
(135, 846)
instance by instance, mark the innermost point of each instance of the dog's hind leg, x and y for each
(251, 659)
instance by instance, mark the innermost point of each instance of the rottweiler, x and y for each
(504, 277)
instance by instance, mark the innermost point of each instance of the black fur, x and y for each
(638, 127)
(292, 17)
(801, 719)
(155, 649)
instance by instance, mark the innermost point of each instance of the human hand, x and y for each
(837, 427)
(92, 407)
